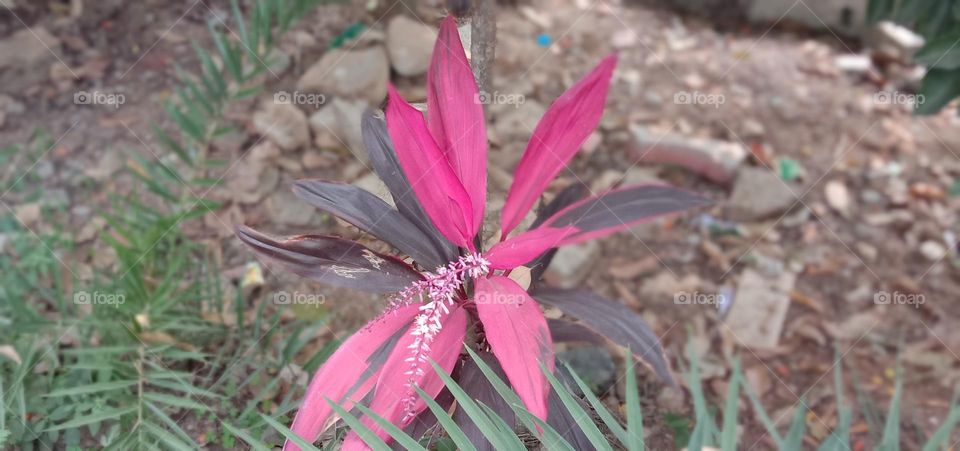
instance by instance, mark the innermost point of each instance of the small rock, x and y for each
(638, 175)
(867, 251)
(759, 194)
(593, 364)
(933, 250)
(374, 185)
(623, 39)
(857, 64)
(571, 262)
(715, 160)
(313, 160)
(592, 143)
(753, 129)
(758, 377)
(91, 229)
(27, 47)
(337, 125)
(28, 214)
(285, 208)
(284, 124)
(760, 309)
(635, 269)
(894, 42)
(409, 44)
(109, 163)
(665, 287)
(838, 197)
(517, 124)
(44, 169)
(349, 73)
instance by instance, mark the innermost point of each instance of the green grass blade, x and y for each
(634, 415)
(794, 438)
(891, 430)
(446, 422)
(608, 419)
(402, 438)
(942, 434)
(470, 407)
(175, 401)
(93, 418)
(369, 437)
(728, 433)
(583, 419)
(91, 388)
(288, 434)
(255, 444)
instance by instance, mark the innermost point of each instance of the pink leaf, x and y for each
(519, 337)
(348, 374)
(455, 115)
(560, 133)
(525, 247)
(431, 177)
(393, 386)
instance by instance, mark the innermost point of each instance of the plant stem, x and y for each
(483, 42)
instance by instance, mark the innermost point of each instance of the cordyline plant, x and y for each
(455, 293)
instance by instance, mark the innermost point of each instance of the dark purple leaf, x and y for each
(371, 214)
(614, 321)
(566, 331)
(623, 207)
(475, 383)
(334, 261)
(563, 199)
(384, 160)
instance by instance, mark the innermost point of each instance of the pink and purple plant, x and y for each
(455, 293)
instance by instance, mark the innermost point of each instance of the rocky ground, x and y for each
(835, 219)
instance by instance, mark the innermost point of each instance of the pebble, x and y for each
(718, 161)
(571, 262)
(933, 250)
(759, 194)
(362, 74)
(838, 197)
(593, 364)
(760, 309)
(283, 124)
(27, 47)
(623, 39)
(409, 45)
(336, 125)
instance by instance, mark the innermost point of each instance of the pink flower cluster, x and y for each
(441, 289)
